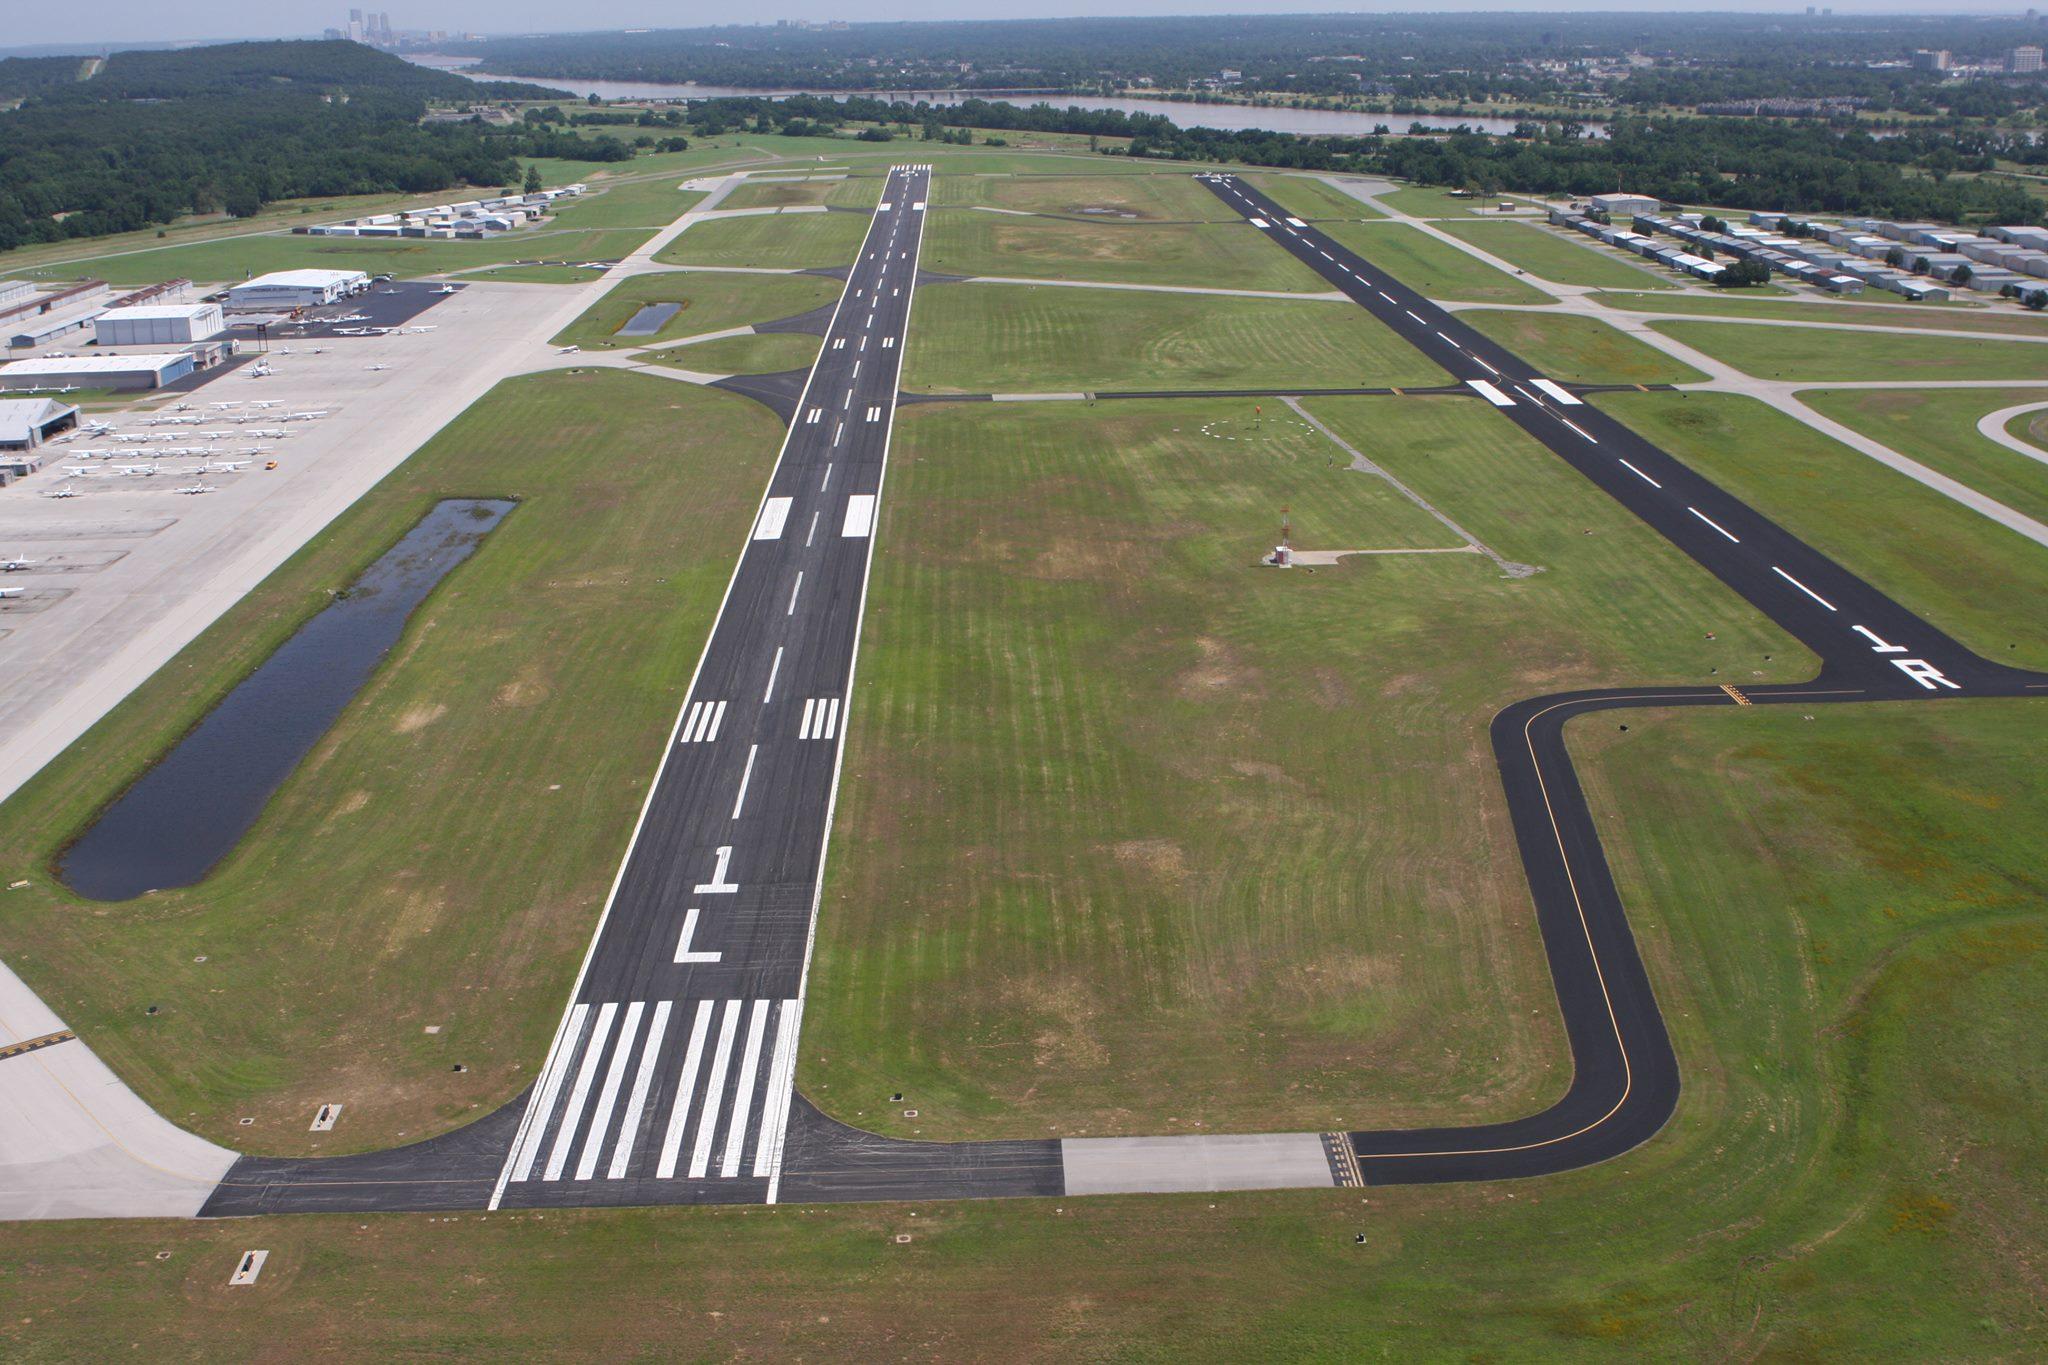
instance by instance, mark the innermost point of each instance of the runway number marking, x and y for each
(718, 885)
(1919, 670)
(684, 952)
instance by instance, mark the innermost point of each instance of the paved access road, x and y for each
(670, 1077)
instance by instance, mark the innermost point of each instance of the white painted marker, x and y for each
(1637, 472)
(1711, 522)
(774, 512)
(1489, 393)
(747, 775)
(1558, 392)
(1802, 587)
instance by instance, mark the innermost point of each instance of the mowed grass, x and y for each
(1963, 572)
(1580, 349)
(1554, 257)
(1138, 836)
(1842, 312)
(861, 192)
(1938, 427)
(1164, 196)
(766, 353)
(1843, 919)
(711, 302)
(999, 338)
(440, 857)
(787, 241)
(1819, 354)
(1311, 198)
(1219, 255)
(1421, 201)
(1439, 270)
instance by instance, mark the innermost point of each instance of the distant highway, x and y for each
(670, 1079)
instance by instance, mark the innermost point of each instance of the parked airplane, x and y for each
(378, 366)
(567, 350)
(305, 416)
(11, 592)
(266, 402)
(67, 491)
(447, 289)
(17, 564)
(224, 465)
(193, 489)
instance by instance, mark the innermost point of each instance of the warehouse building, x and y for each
(1620, 208)
(163, 324)
(284, 290)
(144, 371)
(26, 423)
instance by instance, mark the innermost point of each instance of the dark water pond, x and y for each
(649, 319)
(187, 812)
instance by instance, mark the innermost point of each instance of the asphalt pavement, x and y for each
(670, 1079)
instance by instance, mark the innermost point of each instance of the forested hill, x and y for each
(21, 76)
(156, 135)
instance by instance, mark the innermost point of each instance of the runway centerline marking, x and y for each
(1802, 587)
(1715, 524)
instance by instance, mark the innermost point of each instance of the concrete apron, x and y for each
(1190, 1162)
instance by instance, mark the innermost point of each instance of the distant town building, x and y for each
(2024, 60)
(1935, 60)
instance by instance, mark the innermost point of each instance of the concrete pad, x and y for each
(77, 1143)
(1165, 1165)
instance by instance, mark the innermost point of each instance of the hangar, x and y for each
(163, 324)
(26, 423)
(145, 371)
(287, 289)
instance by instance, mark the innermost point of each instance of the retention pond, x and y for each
(185, 814)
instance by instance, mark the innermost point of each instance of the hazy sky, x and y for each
(39, 21)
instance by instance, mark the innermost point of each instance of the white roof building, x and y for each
(296, 288)
(27, 422)
(174, 324)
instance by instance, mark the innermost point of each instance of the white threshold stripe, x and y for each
(608, 1097)
(686, 1091)
(781, 1082)
(1802, 587)
(803, 729)
(572, 1108)
(1640, 474)
(551, 1085)
(714, 1091)
(743, 1096)
(1715, 524)
(636, 1101)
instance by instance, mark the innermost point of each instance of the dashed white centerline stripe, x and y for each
(774, 667)
(1802, 587)
(1640, 474)
(1587, 435)
(740, 801)
(796, 588)
(1715, 524)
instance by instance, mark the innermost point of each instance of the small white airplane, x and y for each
(17, 564)
(270, 434)
(567, 350)
(11, 592)
(181, 407)
(193, 489)
(352, 317)
(222, 407)
(430, 328)
(266, 402)
(67, 491)
(447, 289)
(226, 466)
(66, 439)
(96, 428)
(379, 366)
(141, 471)
(305, 416)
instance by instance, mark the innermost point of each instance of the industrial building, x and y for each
(165, 324)
(1620, 208)
(284, 290)
(26, 423)
(138, 371)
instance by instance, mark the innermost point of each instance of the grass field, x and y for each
(789, 241)
(998, 338)
(1170, 196)
(1580, 349)
(1966, 574)
(1137, 836)
(1226, 255)
(1308, 197)
(710, 302)
(1938, 427)
(768, 353)
(1556, 258)
(440, 856)
(1855, 1169)
(1817, 354)
(861, 192)
(1951, 317)
(1423, 263)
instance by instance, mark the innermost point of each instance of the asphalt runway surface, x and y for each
(671, 1076)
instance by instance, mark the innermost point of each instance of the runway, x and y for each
(670, 1078)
